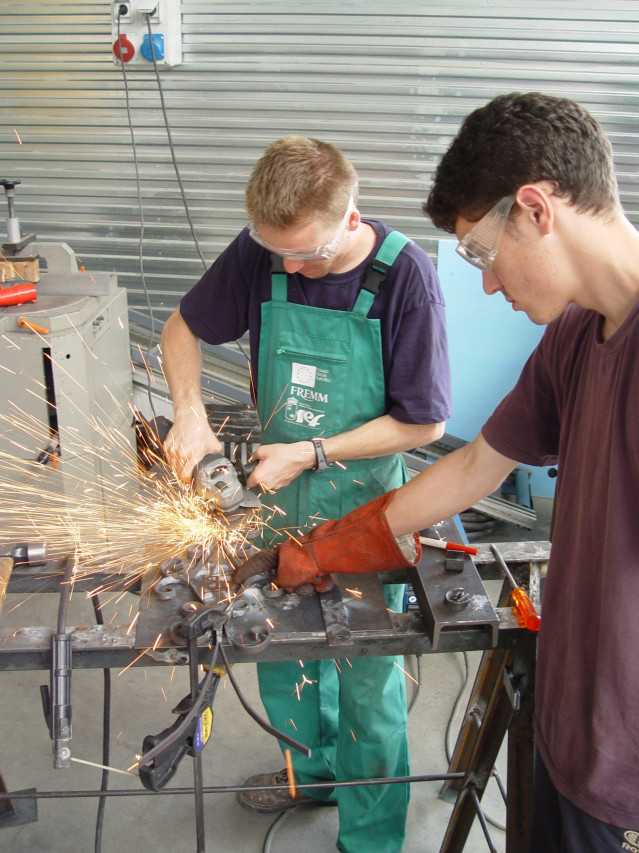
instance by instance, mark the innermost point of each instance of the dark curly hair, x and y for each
(517, 139)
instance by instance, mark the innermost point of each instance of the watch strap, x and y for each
(322, 463)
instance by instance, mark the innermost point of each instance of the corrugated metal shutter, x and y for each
(387, 82)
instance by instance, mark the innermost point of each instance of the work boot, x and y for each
(273, 800)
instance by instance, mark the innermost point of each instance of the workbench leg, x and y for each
(18, 812)
(478, 771)
(498, 718)
(521, 748)
(488, 681)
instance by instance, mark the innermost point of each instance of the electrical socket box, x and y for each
(133, 44)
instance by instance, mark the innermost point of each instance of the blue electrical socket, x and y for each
(158, 47)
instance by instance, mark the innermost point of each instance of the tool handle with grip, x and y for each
(525, 611)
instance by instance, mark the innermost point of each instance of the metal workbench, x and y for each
(351, 621)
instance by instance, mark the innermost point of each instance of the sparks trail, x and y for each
(99, 504)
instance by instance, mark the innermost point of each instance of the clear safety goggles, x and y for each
(318, 253)
(479, 247)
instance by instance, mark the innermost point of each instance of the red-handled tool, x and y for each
(18, 294)
(448, 546)
(525, 611)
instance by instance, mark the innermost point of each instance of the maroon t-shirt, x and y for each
(577, 402)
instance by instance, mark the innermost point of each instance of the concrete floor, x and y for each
(141, 704)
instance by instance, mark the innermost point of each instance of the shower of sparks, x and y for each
(300, 686)
(98, 501)
(17, 135)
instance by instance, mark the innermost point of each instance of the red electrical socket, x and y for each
(123, 49)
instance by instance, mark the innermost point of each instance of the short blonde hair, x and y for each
(298, 179)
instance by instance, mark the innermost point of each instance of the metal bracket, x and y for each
(438, 590)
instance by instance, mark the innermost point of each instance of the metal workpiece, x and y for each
(296, 623)
(455, 611)
(451, 597)
(350, 621)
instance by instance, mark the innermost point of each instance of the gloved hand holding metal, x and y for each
(360, 542)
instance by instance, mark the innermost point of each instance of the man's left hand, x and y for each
(264, 562)
(359, 543)
(279, 464)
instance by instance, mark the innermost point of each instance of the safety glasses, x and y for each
(318, 253)
(479, 247)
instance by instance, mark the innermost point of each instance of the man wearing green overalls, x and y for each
(350, 367)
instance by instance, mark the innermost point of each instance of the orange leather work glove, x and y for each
(360, 542)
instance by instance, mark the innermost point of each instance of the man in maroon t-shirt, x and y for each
(528, 188)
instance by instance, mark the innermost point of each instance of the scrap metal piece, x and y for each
(252, 641)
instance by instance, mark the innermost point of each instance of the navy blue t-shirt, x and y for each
(227, 301)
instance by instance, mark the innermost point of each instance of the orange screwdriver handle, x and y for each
(525, 611)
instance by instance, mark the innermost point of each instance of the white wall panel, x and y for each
(387, 82)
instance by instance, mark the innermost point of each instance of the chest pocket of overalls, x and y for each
(311, 377)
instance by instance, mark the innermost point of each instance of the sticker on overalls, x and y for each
(303, 374)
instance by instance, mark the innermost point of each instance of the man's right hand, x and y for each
(189, 440)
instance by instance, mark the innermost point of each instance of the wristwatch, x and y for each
(322, 463)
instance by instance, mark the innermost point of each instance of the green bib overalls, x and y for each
(321, 373)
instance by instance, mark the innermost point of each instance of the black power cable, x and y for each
(106, 734)
(141, 214)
